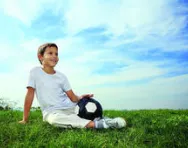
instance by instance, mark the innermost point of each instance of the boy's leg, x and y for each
(61, 118)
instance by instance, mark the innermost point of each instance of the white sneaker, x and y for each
(115, 122)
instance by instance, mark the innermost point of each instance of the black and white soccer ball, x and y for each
(89, 108)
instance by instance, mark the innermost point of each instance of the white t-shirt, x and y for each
(50, 89)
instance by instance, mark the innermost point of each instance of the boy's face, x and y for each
(50, 57)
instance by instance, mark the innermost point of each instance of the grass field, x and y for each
(146, 128)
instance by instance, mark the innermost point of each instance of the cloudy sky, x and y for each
(131, 54)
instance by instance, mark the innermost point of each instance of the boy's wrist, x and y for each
(80, 97)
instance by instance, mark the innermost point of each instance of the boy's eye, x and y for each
(52, 53)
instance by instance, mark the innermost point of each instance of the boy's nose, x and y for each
(54, 55)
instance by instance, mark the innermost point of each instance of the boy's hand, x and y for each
(22, 122)
(87, 96)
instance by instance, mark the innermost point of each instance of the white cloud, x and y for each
(7, 52)
(82, 73)
(31, 45)
(154, 25)
(27, 11)
(160, 93)
(120, 17)
(143, 16)
(84, 14)
(70, 45)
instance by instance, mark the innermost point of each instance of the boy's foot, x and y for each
(115, 122)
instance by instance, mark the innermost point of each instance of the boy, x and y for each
(55, 96)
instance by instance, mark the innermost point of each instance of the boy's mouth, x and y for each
(55, 61)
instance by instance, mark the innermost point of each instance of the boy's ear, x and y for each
(40, 57)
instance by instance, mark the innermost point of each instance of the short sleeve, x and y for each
(31, 82)
(66, 85)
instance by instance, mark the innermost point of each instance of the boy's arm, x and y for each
(27, 105)
(75, 98)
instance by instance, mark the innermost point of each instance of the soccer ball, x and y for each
(89, 108)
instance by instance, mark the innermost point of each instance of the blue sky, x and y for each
(130, 54)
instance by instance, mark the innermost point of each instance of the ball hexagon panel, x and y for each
(91, 107)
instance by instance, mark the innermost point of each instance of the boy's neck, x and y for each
(48, 70)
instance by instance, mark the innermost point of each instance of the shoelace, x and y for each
(111, 123)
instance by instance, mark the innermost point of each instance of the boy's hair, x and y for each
(43, 47)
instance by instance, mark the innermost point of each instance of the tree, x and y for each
(6, 104)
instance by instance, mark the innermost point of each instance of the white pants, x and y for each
(65, 118)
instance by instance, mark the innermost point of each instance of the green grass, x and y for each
(146, 128)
